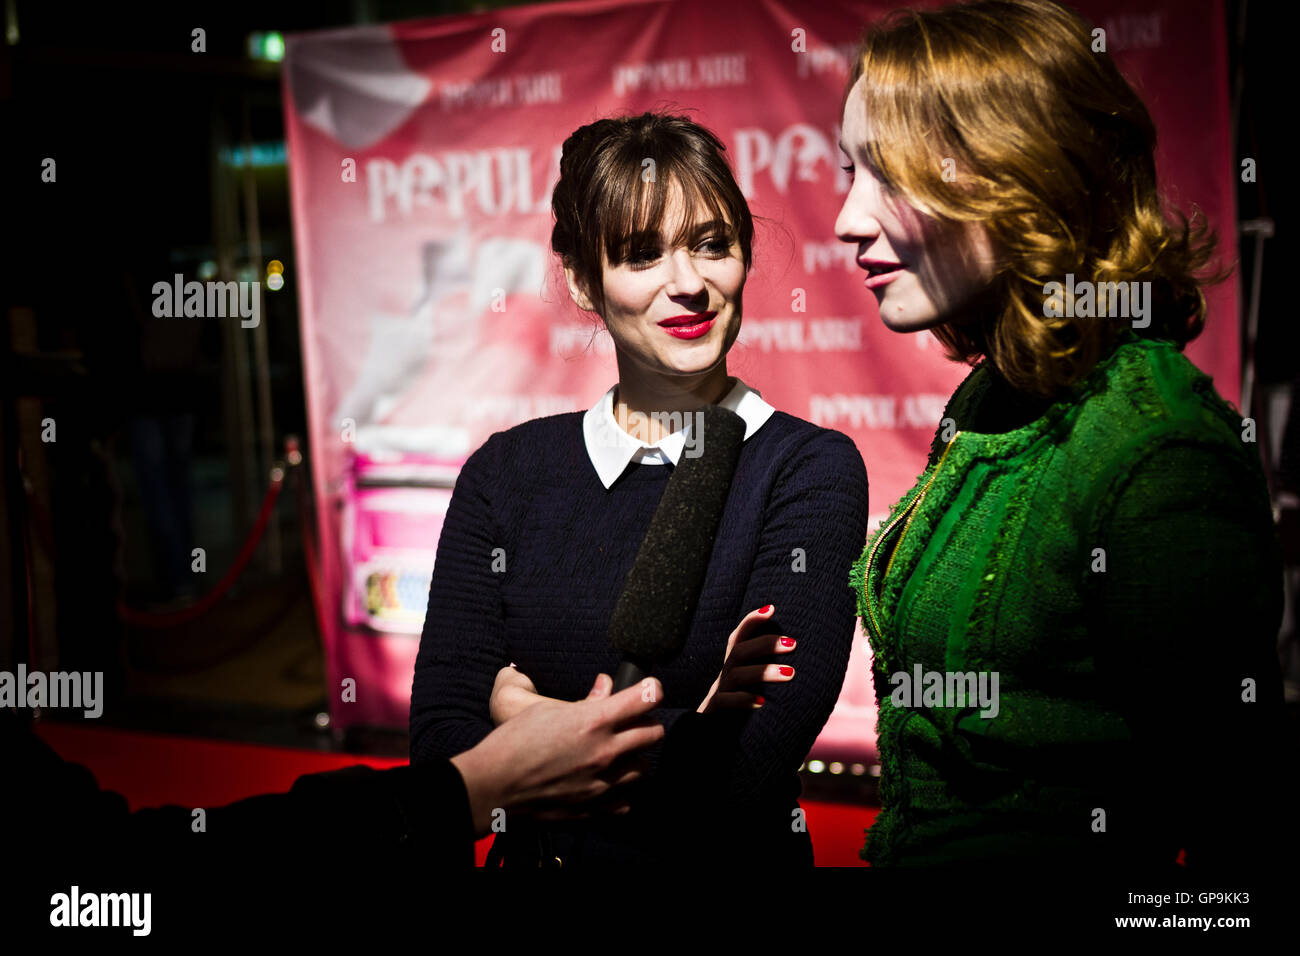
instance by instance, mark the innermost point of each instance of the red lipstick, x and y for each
(689, 326)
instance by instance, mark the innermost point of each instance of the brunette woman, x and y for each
(655, 238)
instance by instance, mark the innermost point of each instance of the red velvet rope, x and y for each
(205, 603)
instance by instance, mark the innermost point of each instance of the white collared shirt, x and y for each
(610, 448)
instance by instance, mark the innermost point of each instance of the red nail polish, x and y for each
(764, 609)
(787, 642)
(759, 700)
(787, 671)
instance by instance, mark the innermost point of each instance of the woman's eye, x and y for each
(717, 247)
(848, 169)
(643, 256)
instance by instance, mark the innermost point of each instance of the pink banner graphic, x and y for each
(422, 157)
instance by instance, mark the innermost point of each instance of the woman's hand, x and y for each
(743, 672)
(512, 693)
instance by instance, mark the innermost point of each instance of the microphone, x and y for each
(654, 611)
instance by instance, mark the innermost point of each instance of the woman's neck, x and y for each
(650, 407)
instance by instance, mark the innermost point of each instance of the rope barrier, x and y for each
(144, 619)
(205, 603)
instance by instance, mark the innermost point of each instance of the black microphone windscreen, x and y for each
(654, 612)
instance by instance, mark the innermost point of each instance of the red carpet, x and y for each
(155, 769)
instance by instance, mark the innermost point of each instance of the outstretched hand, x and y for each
(564, 760)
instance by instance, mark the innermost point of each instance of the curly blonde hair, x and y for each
(1000, 112)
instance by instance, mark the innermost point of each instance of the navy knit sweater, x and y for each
(795, 520)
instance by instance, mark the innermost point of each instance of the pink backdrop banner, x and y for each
(422, 157)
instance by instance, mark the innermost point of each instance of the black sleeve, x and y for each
(463, 644)
(426, 808)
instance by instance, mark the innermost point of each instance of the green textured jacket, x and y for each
(1111, 558)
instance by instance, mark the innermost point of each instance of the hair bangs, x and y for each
(639, 200)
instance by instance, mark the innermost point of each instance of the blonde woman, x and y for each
(1073, 612)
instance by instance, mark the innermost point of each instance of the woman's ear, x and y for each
(576, 291)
